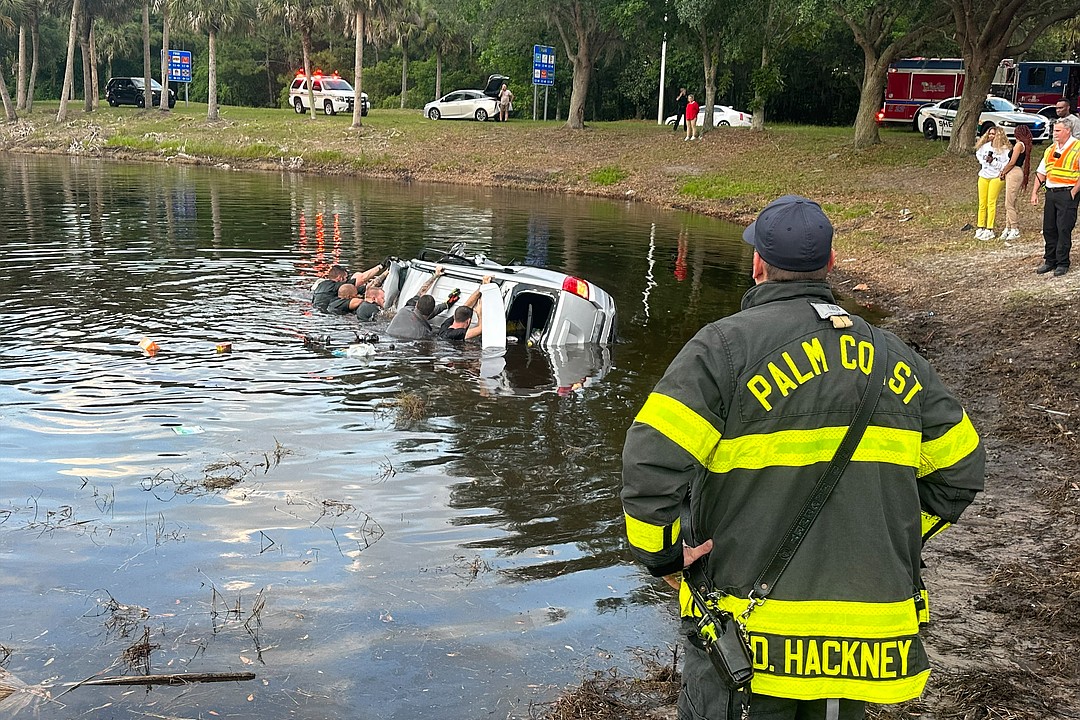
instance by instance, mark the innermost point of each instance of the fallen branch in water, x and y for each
(167, 679)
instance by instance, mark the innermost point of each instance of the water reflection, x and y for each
(433, 566)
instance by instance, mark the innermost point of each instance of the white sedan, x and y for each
(723, 116)
(936, 121)
(463, 104)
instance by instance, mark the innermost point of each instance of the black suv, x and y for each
(130, 91)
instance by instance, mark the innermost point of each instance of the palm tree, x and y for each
(33, 17)
(163, 7)
(112, 39)
(443, 36)
(9, 10)
(302, 15)
(404, 27)
(363, 12)
(69, 66)
(212, 17)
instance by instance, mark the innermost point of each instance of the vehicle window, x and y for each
(1037, 76)
(453, 97)
(316, 86)
(337, 84)
(154, 84)
(952, 104)
(998, 105)
(297, 83)
(137, 82)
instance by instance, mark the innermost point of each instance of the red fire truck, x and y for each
(914, 83)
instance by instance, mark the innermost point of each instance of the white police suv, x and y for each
(333, 94)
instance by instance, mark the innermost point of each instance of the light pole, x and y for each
(663, 72)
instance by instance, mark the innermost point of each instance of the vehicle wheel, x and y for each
(481, 114)
(433, 114)
(724, 123)
(140, 101)
(113, 103)
(929, 129)
(172, 102)
(363, 112)
(1049, 112)
(916, 121)
(328, 108)
(298, 106)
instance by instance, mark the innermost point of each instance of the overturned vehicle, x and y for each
(523, 304)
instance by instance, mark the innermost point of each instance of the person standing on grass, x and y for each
(680, 108)
(1060, 172)
(505, 98)
(1063, 109)
(692, 108)
(1015, 174)
(992, 154)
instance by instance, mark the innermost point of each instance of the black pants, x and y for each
(703, 697)
(680, 115)
(1059, 219)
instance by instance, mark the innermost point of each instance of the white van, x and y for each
(535, 306)
(333, 94)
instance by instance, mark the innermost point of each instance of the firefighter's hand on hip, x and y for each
(690, 554)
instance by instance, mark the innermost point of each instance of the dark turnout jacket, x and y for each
(731, 442)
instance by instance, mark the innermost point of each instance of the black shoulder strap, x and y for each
(801, 526)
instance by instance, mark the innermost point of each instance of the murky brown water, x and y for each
(463, 565)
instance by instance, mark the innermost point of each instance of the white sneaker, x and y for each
(1011, 234)
(989, 234)
(980, 234)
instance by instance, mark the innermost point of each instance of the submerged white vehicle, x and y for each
(527, 305)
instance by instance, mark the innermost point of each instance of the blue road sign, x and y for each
(543, 65)
(180, 66)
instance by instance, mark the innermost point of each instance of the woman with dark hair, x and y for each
(1015, 174)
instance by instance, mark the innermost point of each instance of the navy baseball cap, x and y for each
(792, 233)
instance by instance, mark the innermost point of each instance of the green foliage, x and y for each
(767, 83)
(609, 175)
(721, 187)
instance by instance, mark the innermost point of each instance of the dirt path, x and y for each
(1005, 583)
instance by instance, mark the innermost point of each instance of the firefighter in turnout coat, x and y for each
(728, 446)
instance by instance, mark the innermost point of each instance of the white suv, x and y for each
(333, 94)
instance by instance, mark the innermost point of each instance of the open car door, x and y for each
(493, 317)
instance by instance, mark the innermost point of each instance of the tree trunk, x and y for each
(359, 22)
(875, 72)
(35, 43)
(758, 122)
(164, 104)
(69, 66)
(85, 22)
(582, 64)
(439, 75)
(404, 70)
(148, 88)
(710, 59)
(211, 72)
(305, 46)
(94, 86)
(9, 107)
(20, 79)
(979, 78)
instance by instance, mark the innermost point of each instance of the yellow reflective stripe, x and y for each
(799, 448)
(648, 537)
(885, 692)
(680, 424)
(960, 441)
(833, 618)
(687, 608)
(929, 522)
(1064, 169)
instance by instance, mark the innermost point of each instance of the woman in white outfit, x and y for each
(993, 154)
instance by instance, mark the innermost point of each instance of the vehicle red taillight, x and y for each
(880, 115)
(576, 286)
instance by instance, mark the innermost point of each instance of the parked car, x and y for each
(536, 307)
(463, 104)
(936, 120)
(723, 116)
(131, 91)
(333, 94)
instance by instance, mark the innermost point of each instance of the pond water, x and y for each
(279, 510)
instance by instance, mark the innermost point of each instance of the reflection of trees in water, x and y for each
(547, 469)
